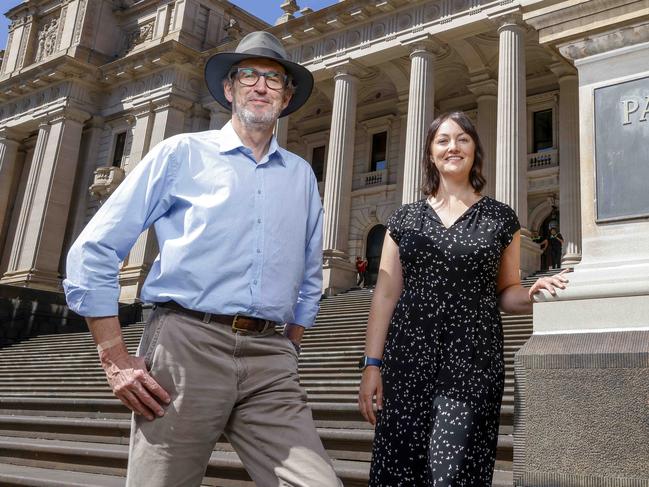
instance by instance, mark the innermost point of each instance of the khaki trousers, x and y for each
(244, 386)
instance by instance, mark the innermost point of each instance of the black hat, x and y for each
(255, 45)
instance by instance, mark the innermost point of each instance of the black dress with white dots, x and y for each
(443, 367)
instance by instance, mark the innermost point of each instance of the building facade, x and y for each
(87, 87)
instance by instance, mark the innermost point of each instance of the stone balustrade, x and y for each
(374, 178)
(541, 160)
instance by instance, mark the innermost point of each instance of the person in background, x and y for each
(555, 242)
(361, 269)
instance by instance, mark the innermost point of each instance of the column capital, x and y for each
(142, 110)
(484, 88)
(347, 67)
(563, 70)
(509, 19)
(68, 114)
(9, 136)
(171, 101)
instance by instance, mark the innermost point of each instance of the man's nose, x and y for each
(261, 85)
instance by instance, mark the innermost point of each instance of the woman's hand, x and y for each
(371, 387)
(550, 284)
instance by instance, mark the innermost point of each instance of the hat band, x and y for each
(262, 51)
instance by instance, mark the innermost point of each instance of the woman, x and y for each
(434, 346)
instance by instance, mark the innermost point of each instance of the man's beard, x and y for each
(257, 120)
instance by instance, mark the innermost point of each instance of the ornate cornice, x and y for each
(605, 41)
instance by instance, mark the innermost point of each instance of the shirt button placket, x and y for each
(259, 240)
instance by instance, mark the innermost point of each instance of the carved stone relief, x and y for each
(138, 36)
(47, 37)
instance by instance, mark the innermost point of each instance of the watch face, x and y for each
(361, 363)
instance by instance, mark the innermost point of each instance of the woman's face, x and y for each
(452, 151)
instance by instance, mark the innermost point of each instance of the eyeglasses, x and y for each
(250, 76)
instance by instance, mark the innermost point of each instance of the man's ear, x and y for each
(287, 99)
(227, 90)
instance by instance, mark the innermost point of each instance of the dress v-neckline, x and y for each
(459, 218)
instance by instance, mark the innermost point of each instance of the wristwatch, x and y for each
(366, 361)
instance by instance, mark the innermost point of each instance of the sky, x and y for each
(267, 10)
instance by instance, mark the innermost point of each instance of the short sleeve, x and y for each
(510, 226)
(395, 224)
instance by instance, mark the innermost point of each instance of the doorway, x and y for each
(374, 247)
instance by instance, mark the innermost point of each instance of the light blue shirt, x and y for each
(235, 236)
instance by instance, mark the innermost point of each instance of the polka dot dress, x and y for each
(443, 369)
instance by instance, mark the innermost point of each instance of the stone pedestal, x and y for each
(339, 273)
(582, 380)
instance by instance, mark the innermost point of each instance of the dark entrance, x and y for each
(552, 221)
(374, 247)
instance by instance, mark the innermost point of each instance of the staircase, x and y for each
(61, 426)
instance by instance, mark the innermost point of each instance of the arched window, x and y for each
(374, 247)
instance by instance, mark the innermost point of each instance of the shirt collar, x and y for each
(229, 141)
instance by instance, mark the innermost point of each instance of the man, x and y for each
(239, 226)
(555, 242)
(361, 268)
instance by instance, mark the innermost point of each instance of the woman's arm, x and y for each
(512, 296)
(386, 294)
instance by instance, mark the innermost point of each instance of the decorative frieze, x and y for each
(364, 28)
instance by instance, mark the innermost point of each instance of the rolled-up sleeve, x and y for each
(92, 267)
(308, 301)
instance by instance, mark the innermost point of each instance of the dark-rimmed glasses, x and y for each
(249, 77)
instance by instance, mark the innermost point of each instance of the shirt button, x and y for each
(259, 191)
(255, 281)
(258, 220)
(259, 251)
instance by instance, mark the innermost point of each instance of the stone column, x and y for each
(339, 272)
(486, 92)
(421, 108)
(511, 133)
(87, 165)
(37, 246)
(219, 116)
(569, 188)
(8, 168)
(166, 119)
(281, 131)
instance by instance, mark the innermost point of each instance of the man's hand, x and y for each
(294, 333)
(133, 385)
(126, 374)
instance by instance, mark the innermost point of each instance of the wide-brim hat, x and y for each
(256, 45)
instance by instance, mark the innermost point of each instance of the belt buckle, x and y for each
(234, 324)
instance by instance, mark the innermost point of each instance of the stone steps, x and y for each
(58, 415)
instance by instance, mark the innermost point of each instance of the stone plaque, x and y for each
(622, 150)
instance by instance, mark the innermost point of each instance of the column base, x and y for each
(338, 273)
(570, 260)
(530, 254)
(581, 399)
(131, 280)
(33, 278)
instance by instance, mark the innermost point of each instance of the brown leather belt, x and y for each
(237, 322)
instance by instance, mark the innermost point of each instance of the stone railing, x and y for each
(541, 160)
(374, 178)
(107, 179)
